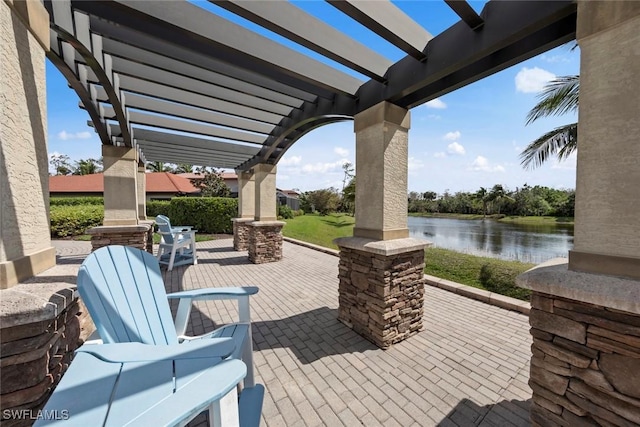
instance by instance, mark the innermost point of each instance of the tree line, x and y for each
(523, 201)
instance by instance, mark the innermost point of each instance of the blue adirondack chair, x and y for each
(178, 244)
(124, 292)
(135, 384)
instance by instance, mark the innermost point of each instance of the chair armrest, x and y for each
(138, 352)
(241, 294)
(215, 293)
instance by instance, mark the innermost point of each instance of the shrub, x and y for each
(74, 220)
(501, 279)
(206, 214)
(75, 201)
(299, 212)
(158, 207)
(285, 212)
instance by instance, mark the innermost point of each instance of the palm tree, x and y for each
(158, 167)
(482, 195)
(558, 97)
(87, 167)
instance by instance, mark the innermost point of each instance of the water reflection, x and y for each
(530, 243)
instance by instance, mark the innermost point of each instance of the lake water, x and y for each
(528, 243)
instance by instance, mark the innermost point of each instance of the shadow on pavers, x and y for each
(504, 413)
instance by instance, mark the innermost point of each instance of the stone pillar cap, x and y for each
(554, 278)
(267, 223)
(119, 228)
(382, 247)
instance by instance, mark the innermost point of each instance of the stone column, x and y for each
(141, 187)
(246, 209)
(120, 188)
(265, 232)
(585, 316)
(381, 291)
(25, 243)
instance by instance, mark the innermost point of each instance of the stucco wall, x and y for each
(24, 192)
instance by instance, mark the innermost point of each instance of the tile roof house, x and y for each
(230, 178)
(159, 185)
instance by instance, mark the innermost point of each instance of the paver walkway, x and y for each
(469, 366)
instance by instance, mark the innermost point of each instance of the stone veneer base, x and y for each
(381, 290)
(41, 328)
(138, 236)
(265, 241)
(585, 368)
(241, 233)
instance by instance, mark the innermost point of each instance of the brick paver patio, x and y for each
(469, 366)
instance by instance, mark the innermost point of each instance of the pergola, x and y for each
(144, 70)
(172, 81)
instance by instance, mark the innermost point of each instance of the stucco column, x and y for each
(381, 290)
(381, 164)
(141, 187)
(607, 231)
(120, 187)
(25, 243)
(265, 192)
(585, 314)
(246, 209)
(265, 233)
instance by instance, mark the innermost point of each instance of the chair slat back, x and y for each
(164, 226)
(124, 292)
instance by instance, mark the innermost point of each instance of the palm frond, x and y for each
(560, 142)
(558, 97)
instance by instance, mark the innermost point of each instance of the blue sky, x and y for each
(466, 139)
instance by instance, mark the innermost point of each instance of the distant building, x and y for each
(159, 186)
(289, 198)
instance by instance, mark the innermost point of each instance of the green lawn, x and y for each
(481, 272)
(319, 230)
(537, 220)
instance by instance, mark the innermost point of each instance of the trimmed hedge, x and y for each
(76, 201)
(74, 220)
(501, 279)
(206, 214)
(158, 207)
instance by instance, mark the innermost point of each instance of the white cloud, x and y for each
(342, 152)
(554, 58)
(65, 136)
(290, 161)
(434, 117)
(323, 167)
(482, 164)
(440, 154)
(436, 103)
(455, 148)
(414, 164)
(532, 80)
(452, 136)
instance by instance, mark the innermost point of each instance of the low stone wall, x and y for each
(585, 368)
(381, 291)
(241, 233)
(265, 241)
(42, 325)
(139, 236)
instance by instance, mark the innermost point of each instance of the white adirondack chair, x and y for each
(178, 244)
